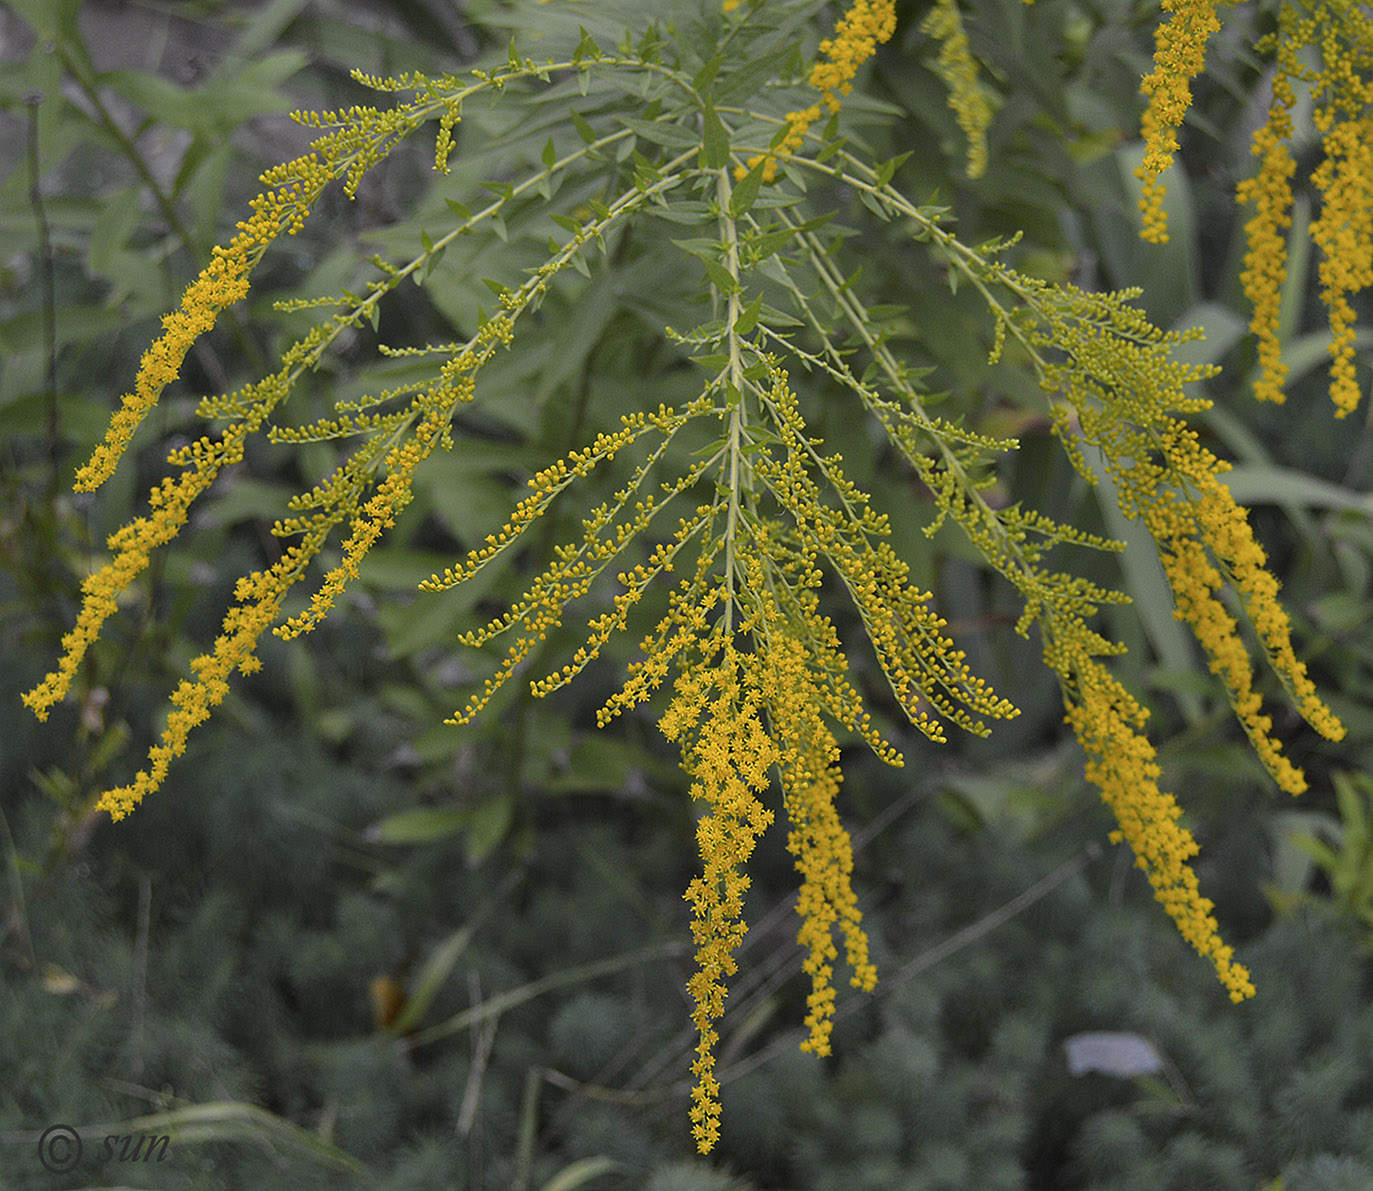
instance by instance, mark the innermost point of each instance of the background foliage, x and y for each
(347, 944)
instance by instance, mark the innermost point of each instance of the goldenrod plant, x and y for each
(730, 500)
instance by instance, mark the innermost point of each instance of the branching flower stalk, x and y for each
(745, 666)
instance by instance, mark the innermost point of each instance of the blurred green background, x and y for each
(347, 946)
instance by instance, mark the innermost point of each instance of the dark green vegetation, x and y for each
(225, 967)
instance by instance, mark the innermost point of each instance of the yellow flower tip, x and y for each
(955, 65)
(1240, 986)
(120, 803)
(42, 697)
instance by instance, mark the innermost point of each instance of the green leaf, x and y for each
(550, 154)
(763, 246)
(715, 150)
(228, 1121)
(660, 132)
(706, 75)
(720, 277)
(886, 310)
(433, 974)
(748, 317)
(1260, 484)
(162, 99)
(745, 193)
(887, 169)
(53, 19)
(581, 1171)
(743, 81)
(419, 825)
(487, 825)
(584, 130)
(878, 208)
(586, 48)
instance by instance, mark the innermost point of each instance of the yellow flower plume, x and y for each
(1179, 54)
(283, 206)
(863, 27)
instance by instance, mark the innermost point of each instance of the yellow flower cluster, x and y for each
(260, 596)
(808, 767)
(927, 673)
(1122, 382)
(1123, 390)
(1343, 87)
(757, 673)
(132, 546)
(737, 715)
(956, 67)
(1344, 229)
(1265, 261)
(1122, 764)
(1206, 524)
(691, 604)
(1179, 54)
(863, 27)
(432, 413)
(577, 565)
(717, 714)
(292, 189)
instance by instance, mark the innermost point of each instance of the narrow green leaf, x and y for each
(433, 974)
(419, 825)
(748, 317)
(660, 132)
(745, 193)
(720, 277)
(877, 208)
(487, 824)
(581, 1171)
(706, 75)
(586, 47)
(584, 130)
(550, 154)
(761, 247)
(888, 169)
(743, 80)
(714, 361)
(433, 262)
(715, 150)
